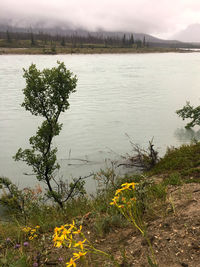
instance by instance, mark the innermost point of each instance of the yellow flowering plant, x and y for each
(71, 236)
(32, 233)
(125, 200)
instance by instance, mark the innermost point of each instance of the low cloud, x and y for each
(153, 17)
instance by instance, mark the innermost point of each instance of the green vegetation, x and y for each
(97, 215)
(46, 94)
(189, 112)
(180, 164)
(30, 43)
(43, 43)
(26, 208)
(42, 40)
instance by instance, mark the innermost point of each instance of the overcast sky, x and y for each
(158, 17)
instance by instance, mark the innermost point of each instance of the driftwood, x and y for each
(142, 159)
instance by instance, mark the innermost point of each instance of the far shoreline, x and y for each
(109, 50)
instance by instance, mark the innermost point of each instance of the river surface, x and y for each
(120, 94)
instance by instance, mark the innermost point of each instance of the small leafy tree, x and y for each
(46, 94)
(190, 112)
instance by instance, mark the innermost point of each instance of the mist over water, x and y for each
(116, 94)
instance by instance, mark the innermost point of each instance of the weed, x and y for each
(104, 224)
(171, 201)
(173, 179)
(126, 202)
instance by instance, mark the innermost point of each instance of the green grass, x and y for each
(173, 179)
(184, 160)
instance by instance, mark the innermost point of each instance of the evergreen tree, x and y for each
(138, 43)
(132, 39)
(63, 41)
(124, 40)
(144, 41)
(32, 39)
(8, 38)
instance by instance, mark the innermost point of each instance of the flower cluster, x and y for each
(31, 232)
(125, 201)
(122, 197)
(71, 236)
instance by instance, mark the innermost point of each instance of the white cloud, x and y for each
(151, 16)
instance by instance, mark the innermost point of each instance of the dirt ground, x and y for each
(175, 237)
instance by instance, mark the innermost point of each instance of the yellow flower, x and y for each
(71, 263)
(72, 225)
(80, 244)
(113, 203)
(79, 254)
(120, 206)
(58, 240)
(125, 184)
(78, 231)
(70, 243)
(58, 229)
(26, 229)
(128, 185)
(118, 191)
(114, 200)
(58, 244)
(119, 199)
(66, 232)
(133, 185)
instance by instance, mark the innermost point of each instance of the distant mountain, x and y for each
(137, 36)
(66, 30)
(190, 34)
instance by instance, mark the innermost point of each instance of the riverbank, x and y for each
(87, 50)
(167, 198)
